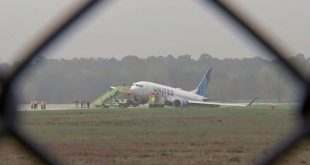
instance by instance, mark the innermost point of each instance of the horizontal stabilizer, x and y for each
(252, 101)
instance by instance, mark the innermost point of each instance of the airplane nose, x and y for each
(132, 89)
(129, 93)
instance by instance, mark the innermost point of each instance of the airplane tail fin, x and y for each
(202, 87)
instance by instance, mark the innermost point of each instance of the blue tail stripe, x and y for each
(202, 87)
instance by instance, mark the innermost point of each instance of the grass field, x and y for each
(157, 136)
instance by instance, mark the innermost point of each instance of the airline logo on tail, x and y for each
(203, 85)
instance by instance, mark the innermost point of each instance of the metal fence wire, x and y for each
(9, 104)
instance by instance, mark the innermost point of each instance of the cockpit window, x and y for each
(138, 85)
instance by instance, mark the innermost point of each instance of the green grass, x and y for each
(157, 136)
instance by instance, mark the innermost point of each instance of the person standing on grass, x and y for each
(76, 103)
(35, 103)
(82, 104)
(88, 103)
(31, 104)
(42, 105)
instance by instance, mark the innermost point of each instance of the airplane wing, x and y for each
(219, 104)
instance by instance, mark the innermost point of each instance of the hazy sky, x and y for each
(151, 27)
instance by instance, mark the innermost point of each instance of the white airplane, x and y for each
(178, 97)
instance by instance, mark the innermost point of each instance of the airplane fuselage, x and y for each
(177, 97)
(143, 89)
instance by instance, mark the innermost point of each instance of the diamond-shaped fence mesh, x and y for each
(246, 25)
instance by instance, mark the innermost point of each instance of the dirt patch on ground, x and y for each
(161, 136)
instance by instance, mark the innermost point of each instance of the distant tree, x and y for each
(64, 81)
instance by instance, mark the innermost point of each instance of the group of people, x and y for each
(83, 103)
(34, 104)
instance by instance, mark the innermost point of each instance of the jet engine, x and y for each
(140, 100)
(180, 103)
(137, 99)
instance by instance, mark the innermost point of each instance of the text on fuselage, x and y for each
(162, 90)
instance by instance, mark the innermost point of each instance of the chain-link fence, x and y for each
(9, 80)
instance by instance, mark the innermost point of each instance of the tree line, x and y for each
(64, 81)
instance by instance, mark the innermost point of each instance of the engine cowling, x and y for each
(137, 99)
(180, 103)
(140, 100)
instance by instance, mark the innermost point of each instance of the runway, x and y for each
(26, 107)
